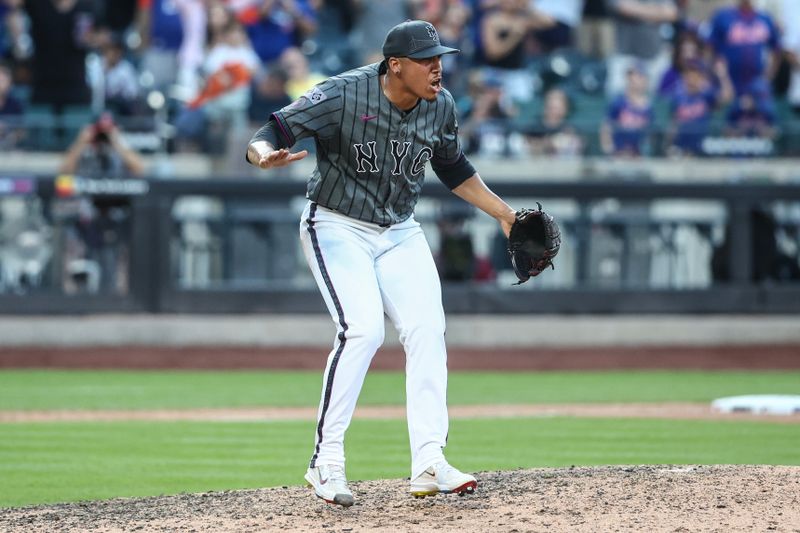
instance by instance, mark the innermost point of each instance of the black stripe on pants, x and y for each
(342, 338)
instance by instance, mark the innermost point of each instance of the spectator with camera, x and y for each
(97, 242)
(100, 152)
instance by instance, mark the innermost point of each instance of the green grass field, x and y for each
(42, 389)
(57, 462)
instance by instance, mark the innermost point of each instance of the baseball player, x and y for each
(376, 128)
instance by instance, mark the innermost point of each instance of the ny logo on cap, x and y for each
(432, 32)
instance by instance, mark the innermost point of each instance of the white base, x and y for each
(768, 404)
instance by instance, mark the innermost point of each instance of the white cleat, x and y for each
(443, 478)
(330, 484)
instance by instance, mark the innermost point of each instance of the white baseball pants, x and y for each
(364, 271)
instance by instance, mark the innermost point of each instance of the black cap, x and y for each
(416, 39)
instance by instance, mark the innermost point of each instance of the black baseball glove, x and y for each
(533, 242)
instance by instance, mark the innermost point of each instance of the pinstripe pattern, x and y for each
(354, 125)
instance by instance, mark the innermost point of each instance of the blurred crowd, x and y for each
(101, 82)
(558, 77)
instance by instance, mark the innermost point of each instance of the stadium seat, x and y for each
(74, 118)
(41, 122)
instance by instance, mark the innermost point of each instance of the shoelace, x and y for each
(444, 468)
(336, 473)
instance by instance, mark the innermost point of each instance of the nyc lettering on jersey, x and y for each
(367, 158)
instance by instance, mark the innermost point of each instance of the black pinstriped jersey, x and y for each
(371, 156)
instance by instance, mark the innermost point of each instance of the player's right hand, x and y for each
(280, 158)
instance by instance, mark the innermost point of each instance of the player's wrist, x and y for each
(508, 214)
(258, 150)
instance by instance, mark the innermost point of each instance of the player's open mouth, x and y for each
(436, 85)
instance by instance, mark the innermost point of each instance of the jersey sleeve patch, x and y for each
(312, 97)
(315, 95)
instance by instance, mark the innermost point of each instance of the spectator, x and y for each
(505, 28)
(62, 31)
(747, 42)
(693, 106)
(751, 115)
(566, 18)
(268, 95)
(301, 77)
(688, 47)
(639, 40)
(101, 232)
(160, 29)
(194, 16)
(275, 25)
(554, 135)
(484, 127)
(16, 44)
(120, 78)
(219, 19)
(630, 115)
(225, 97)
(204, 24)
(596, 35)
(172, 35)
(100, 151)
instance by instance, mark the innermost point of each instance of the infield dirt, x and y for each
(600, 499)
(641, 498)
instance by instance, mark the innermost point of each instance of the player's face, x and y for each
(422, 77)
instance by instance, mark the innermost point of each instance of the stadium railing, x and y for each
(191, 246)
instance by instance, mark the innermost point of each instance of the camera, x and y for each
(102, 128)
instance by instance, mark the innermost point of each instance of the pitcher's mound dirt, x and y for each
(642, 498)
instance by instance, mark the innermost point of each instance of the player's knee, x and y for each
(423, 330)
(371, 333)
